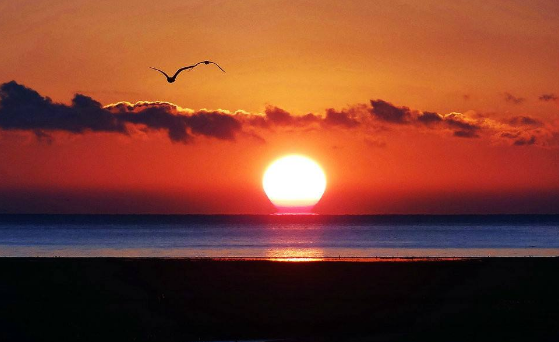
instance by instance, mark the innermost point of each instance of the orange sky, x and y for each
(490, 61)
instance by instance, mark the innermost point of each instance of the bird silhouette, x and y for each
(172, 79)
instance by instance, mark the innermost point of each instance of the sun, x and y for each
(294, 183)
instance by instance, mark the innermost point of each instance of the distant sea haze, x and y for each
(278, 237)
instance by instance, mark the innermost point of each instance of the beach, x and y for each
(158, 299)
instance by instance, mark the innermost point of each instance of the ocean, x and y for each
(278, 237)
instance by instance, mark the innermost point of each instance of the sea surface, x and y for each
(278, 237)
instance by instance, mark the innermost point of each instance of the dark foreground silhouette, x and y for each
(173, 78)
(187, 300)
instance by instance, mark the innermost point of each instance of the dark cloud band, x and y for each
(24, 109)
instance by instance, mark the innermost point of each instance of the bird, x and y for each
(172, 79)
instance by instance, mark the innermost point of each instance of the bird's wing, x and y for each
(217, 65)
(161, 71)
(190, 67)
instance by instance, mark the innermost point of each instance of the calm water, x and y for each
(279, 236)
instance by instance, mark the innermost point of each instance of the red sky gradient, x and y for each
(415, 106)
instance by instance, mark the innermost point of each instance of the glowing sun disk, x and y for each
(294, 181)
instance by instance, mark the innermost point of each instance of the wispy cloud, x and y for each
(510, 98)
(549, 97)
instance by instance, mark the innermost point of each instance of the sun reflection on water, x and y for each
(294, 254)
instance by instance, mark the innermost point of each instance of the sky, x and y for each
(410, 107)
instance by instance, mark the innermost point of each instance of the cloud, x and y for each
(524, 141)
(461, 125)
(43, 137)
(549, 97)
(386, 111)
(159, 118)
(278, 116)
(342, 118)
(389, 113)
(459, 121)
(214, 124)
(513, 99)
(515, 131)
(23, 109)
(524, 121)
(465, 134)
(180, 123)
(540, 137)
(430, 118)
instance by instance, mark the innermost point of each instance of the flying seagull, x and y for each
(172, 79)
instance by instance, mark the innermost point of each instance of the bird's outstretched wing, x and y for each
(161, 71)
(190, 67)
(217, 65)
